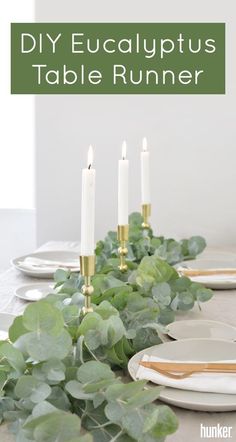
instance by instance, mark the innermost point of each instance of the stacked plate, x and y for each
(34, 292)
(199, 390)
(218, 273)
(45, 264)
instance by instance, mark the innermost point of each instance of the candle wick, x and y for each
(89, 167)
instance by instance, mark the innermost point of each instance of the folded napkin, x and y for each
(213, 278)
(32, 263)
(205, 382)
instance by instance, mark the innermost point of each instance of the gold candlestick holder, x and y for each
(146, 212)
(123, 236)
(87, 269)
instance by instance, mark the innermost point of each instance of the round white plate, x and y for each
(46, 271)
(34, 292)
(194, 350)
(201, 328)
(6, 320)
(218, 282)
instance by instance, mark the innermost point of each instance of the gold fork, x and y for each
(187, 369)
(184, 271)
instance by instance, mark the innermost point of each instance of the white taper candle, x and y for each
(123, 188)
(88, 207)
(145, 174)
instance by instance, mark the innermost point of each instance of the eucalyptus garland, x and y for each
(61, 373)
(142, 242)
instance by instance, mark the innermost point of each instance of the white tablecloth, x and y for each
(222, 307)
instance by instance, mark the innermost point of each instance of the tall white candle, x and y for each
(145, 174)
(123, 189)
(88, 208)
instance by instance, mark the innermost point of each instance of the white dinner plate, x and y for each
(201, 328)
(34, 292)
(194, 350)
(6, 320)
(63, 257)
(218, 282)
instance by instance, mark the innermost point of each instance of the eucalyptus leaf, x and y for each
(57, 427)
(17, 329)
(52, 371)
(183, 301)
(61, 275)
(3, 380)
(160, 421)
(123, 392)
(106, 310)
(94, 371)
(13, 356)
(196, 245)
(76, 390)
(43, 317)
(71, 314)
(162, 293)
(30, 387)
(43, 408)
(58, 398)
(153, 270)
(6, 404)
(45, 346)
(133, 424)
(95, 421)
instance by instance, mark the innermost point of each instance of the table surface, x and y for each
(221, 307)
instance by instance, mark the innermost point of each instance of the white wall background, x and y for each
(17, 214)
(192, 138)
(17, 234)
(17, 119)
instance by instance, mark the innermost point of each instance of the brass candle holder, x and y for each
(87, 269)
(123, 236)
(146, 212)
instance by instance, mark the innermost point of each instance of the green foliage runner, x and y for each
(61, 374)
(142, 242)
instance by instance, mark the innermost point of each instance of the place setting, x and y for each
(44, 264)
(198, 374)
(196, 367)
(218, 273)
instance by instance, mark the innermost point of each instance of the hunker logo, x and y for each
(217, 431)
